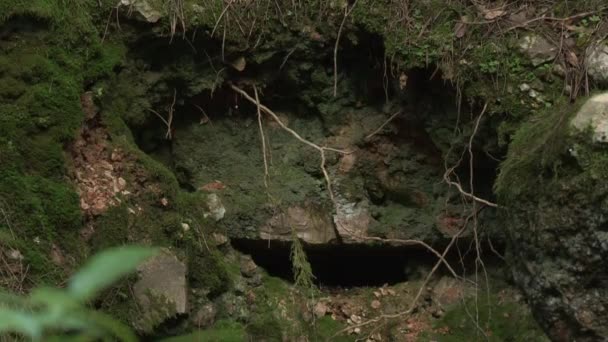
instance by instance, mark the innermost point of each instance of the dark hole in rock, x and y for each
(337, 265)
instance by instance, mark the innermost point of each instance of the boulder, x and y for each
(311, 223)
(143, 9)
(596, 61)
(594, 115)
(538, 49)
(161, 291)
(557, 226)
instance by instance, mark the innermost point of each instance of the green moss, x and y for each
(534, 156)
(500, 320)
(325, 328)
(221, 331)
(265, 326)
(208, 270)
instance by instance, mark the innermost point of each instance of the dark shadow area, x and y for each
(337, 265)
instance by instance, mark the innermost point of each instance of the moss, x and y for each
(265, 326)
(500, 320)
(325, 328)
(209, 271)
(534, 156)
(221, 331)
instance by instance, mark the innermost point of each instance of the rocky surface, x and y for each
(597, 62)
(162, 290)
(558, 229)
(593, 115)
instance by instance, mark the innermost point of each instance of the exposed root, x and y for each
(448, 173)
(262, 136)
(382, 126)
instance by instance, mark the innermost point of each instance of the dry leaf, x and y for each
(493, 14)
(460, 29)
(571, 58)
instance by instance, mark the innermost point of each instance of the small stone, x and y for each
(533, 93)
(15, 254)
(320, 309)
(524, 87)
(215, 208)
(248, 267)
(219, 239)
(376, 304)
(164, 202)
(122, 183)
(185, 226)
(538, 49)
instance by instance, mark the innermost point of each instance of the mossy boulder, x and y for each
(557, 214)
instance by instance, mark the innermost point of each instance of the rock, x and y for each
(205, 316)
(255, 281)
(219, 239)
(15, 254)
(538, 49)
(214, 207)
(524, 87)
(376, 304)
(248, 267)
(143, 9)
(161, 290)
(320, 309)
(596, 61)
(594, 115)
(311, 223)
(352, 220)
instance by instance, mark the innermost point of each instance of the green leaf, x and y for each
(105, 268)
(19, 322)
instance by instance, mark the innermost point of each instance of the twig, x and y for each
(205, 116)
(262, 137)
(446, 175)
(346, 13)
(220, 17)
(382, 126)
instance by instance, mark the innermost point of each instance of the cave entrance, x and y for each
(342, 266)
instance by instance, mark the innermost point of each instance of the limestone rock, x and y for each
(596, 61)
(143, 8)
(594, 114)
(214, 207)
(311, 223)
(538, 49)
(161, 290)
(352, 220)
(248, 267)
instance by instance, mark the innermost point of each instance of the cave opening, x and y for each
(361, 265)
